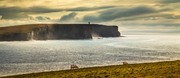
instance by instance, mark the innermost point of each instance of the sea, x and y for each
(21, 57)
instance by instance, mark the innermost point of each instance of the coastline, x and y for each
(150, 70)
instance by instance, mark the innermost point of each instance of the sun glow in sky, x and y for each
(133, 13)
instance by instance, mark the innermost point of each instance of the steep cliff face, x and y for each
(14, 37)
(105, 31)
(56, 31)
(62, 32)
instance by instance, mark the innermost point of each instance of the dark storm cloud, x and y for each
(43, 10)
(17, 12)
(47, 10)
(0, 17)
(115, 13)
(68, 17)
(156, 16)
(13, 12)
(41, 18)
(155, 24)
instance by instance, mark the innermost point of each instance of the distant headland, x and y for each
(56, 32)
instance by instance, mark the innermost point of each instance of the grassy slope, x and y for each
(29, 27)
(19, 28)
(148, 70)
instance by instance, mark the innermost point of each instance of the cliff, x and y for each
(105, 31)
(56, 31)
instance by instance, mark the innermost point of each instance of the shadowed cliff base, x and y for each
(56, 31)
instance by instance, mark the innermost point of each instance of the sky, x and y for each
(149, 15)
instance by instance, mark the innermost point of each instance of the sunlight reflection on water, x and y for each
(38, 56)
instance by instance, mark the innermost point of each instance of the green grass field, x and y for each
(169, 69)
(20, 28)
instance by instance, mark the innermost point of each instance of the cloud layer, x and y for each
(115, 13)
(169, 1)
(19, 12)
(160, 11)
(69, 17)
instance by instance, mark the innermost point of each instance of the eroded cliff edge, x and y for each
(56, 31)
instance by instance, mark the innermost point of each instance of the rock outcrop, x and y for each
(56, 31)
(105, 31)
